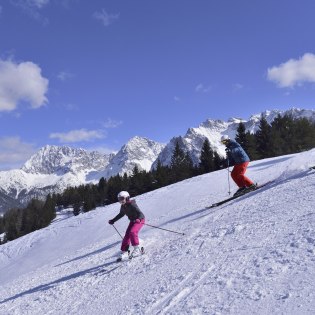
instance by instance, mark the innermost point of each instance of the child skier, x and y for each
(238, 158)
(137, 219)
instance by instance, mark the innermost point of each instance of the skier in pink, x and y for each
(137, 219)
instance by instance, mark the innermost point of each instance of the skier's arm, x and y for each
(118, 216)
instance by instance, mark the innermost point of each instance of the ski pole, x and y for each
(156, 227)
(128, 250)
(228, 169)
(117, 231)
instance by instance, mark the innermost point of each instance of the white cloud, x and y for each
(64, 75)
(14, 152)
(294, 72)
(21, 82)
(105, 17)
(200, 88)
(78, 135)
(111, 123)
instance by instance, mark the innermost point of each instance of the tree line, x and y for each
(284, 135)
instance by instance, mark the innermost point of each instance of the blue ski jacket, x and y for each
(235, 153)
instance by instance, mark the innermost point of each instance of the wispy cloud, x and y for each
(110, 123)
(14, 152)
(293, 72)
(176, 99)
(201, 88)
(64, 75)
(80, 135)
(105, 18)
(32, 8)
(237, 87)
(21, 82)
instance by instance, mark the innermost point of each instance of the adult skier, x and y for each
(130, 208)
(238, 158)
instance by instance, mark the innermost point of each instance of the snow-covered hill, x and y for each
(254, 255)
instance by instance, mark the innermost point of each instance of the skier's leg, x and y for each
(136, 227)
(235, 174)
(126, 240)
(241, 178)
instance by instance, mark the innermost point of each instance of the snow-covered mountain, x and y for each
(54, 168)
(254, 255)
(138, 151)
(61, 160)
(213, 130)
(51, 169)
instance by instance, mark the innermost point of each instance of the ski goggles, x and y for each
(121, 199)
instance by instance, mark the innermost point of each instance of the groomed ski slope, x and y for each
(254, 255)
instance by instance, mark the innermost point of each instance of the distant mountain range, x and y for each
(54, 168)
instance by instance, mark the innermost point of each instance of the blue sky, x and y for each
(95, 73)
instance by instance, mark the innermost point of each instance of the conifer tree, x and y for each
(304, 132)
(207, 163)
(263, 139)
(135, 181)
(102, 189)
(48, 212)
(241, 136)
(1, 225)
(181, 164)
(218, 161)
(251, 146)
(161, 175)
(11, 224)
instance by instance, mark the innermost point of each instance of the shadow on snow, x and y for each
(95, 270)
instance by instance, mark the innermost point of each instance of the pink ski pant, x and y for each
(238, 175)
(131, 235)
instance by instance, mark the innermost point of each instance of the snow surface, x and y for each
(254, 255)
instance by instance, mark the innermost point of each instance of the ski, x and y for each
(235, 197)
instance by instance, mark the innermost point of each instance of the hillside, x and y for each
(254, 255)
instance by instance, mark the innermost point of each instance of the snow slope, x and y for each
(254, 255)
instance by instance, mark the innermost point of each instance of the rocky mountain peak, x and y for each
(62, 159)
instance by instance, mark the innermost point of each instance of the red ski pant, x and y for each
(131, 235)
(238, 175)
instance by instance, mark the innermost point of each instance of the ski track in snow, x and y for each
(253, 255)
